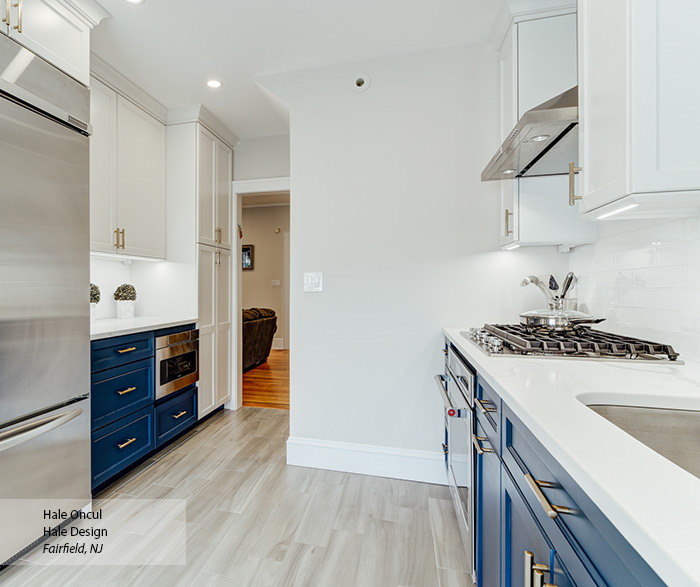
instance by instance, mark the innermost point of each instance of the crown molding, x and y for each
(90, 11)
(199, 113)
(109, 76)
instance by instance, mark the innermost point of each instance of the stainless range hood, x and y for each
(544, 141)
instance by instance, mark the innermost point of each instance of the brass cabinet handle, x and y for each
(18, 6)
(122, 351)
(116, 237)
(121, 240)
(180, 415)
(127, 390)
(509, 230)
(482, 408)
(123, 231)
(476, 441)
(6, 18)
(552, 511)
(572, 171)
(534, 574)
(127, 443)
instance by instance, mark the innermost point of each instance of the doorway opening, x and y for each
(263, 218)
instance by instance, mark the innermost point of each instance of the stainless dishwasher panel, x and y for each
(45, 465)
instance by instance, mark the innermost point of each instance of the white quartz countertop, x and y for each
(654, 503)
(108, 328)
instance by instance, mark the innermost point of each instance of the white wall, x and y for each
(389, 205)
(261, 158)
(108, 274)
(644, 277)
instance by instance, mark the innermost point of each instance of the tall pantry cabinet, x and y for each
(214, 175)
(200, 171)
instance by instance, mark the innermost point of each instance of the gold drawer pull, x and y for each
(482, 408)
(122, 351)
(534, 575)
(127, 390)
(127, 443)
(552, 511)
(508, 230)
(477, 440)
(180, 415)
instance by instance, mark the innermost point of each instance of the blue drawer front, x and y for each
(121, 391)
(176, 415)
(107, 456)
(112, 352)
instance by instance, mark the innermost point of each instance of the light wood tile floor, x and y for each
(253, 521)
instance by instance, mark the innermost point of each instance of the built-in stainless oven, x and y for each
(177, 361)
(456, 387)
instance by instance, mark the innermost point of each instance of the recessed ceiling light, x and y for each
(508, 171)
(214, 83)
(539, 138)
(135, 1)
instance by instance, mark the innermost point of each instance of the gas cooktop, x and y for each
(579, 343)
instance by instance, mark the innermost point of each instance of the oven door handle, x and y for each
(450, 410)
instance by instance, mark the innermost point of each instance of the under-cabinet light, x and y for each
(120, 257)
(539, 138)
(508, 171)
(214, 83)
(608, 214)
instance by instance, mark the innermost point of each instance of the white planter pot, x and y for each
(93, 307)
(125, 309)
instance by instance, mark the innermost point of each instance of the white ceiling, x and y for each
(170, 48)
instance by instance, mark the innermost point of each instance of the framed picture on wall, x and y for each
(247, 257)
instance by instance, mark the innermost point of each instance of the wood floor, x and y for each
(267, 386)
(252, 521)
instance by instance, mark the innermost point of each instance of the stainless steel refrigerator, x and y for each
(44, 289)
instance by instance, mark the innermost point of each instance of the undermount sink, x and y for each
(673, 433)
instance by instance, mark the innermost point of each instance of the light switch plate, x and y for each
(313, 282)
(276, 283)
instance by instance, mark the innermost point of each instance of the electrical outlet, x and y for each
(276, 283)
(313, 282)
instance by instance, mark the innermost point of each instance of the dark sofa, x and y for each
(259, 327)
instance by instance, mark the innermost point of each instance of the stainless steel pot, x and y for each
(557, 320)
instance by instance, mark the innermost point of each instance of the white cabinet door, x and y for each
(223, 193)
(207, 329)
(103, 166)
(637, 106)
(50, 30)
(206, 198)
(140, 181)
(223, 327)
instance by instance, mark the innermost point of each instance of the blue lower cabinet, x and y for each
(525, 549)
(121, 443)
(120, 391)
(177, 413)
(488, 497)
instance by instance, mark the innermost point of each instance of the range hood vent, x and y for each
(544, 141)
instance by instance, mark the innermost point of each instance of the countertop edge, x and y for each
(109, 328)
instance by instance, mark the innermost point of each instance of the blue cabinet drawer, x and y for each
(584, 538)
(176, 414)
(121, 443)
(112, 352)
(121, 390)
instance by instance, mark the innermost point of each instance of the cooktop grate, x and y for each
(579, 342)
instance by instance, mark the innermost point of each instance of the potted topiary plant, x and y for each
(94, 300)
(125, 295)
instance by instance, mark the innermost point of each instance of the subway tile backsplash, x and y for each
(644, 277)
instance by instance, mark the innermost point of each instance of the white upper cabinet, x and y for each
(103, 167)
(214, 190)
(638, 100)
(127, 177)
(57, 30)
(538, 62)
(140, 181)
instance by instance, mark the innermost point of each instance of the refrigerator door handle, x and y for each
(25, 432)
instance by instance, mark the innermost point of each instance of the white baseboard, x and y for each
(278, 344)
(380, 461)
